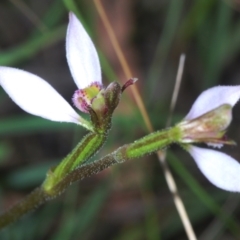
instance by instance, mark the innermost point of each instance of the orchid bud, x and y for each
(112, 96)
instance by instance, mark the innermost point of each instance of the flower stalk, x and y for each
(54, 186)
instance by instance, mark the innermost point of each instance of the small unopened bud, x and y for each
(112, 96)
(208, 128)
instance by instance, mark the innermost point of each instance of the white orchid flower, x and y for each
(37, 97)
(206, 122)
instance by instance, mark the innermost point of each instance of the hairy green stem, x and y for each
(36, 198)
(146, 145)
(84, 150)
(142, 147)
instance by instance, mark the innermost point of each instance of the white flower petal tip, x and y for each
(36, 96)
(220, 169)
(81, 55)
(213, 98)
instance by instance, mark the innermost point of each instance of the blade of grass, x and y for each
(71, 6)
(195, 18)
(218, 34)
(29, 125)
(166, 39)
(32, 46)
(55, 12)
(32, 16)
(215, 228)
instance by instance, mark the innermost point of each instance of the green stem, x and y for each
(84, 150)
(144, 146)
(36, 198)
(149, 143)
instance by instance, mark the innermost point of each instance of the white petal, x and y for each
(219, 168)
(213, 98)
(81, 55)
(36, 96)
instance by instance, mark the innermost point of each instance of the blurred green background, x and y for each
(128, 201)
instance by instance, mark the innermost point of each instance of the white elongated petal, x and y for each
(81, 55)
(219, 168)
(213, 98)
(36, 96)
